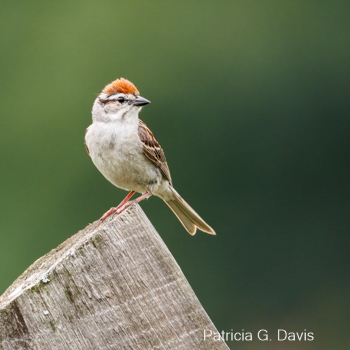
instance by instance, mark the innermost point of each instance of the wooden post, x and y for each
(113, 285)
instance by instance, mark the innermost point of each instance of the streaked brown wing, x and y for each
(152, 150)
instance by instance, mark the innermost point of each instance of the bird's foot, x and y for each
(122, 207)
(125, 204)
(115, 209)
(108, 213)
(119, 209)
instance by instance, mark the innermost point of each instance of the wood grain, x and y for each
(113, 285)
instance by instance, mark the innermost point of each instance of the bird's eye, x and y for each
(121, 99)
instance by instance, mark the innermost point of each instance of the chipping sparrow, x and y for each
(125, 151)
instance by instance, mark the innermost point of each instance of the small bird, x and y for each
(125, 151)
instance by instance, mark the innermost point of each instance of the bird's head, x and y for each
(119, 100)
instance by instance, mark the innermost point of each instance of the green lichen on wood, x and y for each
(69, 295)
(52, 326)
(97, 241)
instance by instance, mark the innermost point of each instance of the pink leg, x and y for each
(137, 200)
(113, 210)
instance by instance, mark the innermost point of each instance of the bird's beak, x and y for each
(140, 101)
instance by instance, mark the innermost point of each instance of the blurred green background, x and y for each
(250, 101)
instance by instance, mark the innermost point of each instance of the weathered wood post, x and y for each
(113, 285)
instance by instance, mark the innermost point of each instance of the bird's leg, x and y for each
(113, 210)
(137, 200)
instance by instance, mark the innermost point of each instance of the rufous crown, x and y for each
(121, 85)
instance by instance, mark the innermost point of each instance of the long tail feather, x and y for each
(187, 216)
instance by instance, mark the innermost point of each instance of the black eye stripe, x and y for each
(119, 99)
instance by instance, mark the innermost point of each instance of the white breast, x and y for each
(116, 151)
